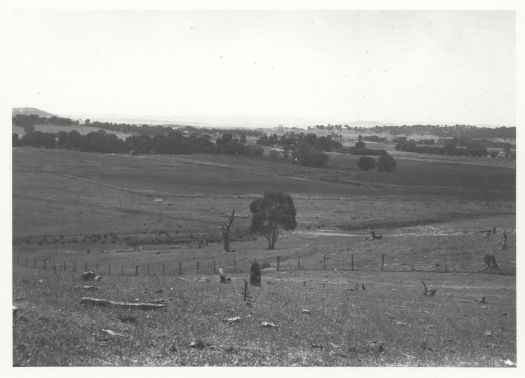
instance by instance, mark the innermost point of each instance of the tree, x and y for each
(366, 163)
(271, 214)
(307, 155)
(226, 231)
(386, 163)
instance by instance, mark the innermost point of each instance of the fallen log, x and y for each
(107, 302)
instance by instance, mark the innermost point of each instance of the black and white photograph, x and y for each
(260, 186)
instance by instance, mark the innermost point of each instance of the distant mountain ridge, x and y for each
(30, 111)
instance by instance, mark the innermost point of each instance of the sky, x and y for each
(294, 67)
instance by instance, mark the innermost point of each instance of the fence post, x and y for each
(136, 270)
(352, 261)
(382, 262)
(214, 267)
(298, 263)
(234, 265)
(180, 268)
(445, 263)
(324, 262)
(278, 262)
(197, 267)
(163, 269)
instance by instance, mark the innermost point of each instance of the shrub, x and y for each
(366, 163)
(386, 163)
(307, 155)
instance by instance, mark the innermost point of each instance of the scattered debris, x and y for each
(508, 362)
(40, 281)
(429, 291)
(88, 275)
(235, 319)
(112, 333)
(98, 278)
(106, 302)
(197, 344)
(335, 346)
(202, 279)
(223, 276)
(356, 287)
(87, 287)
(319, 346)
(399, 323)
(159, 301)
(172, 348)
(127, 319)
(407, 355)
(268, 324)
(159, 291)
(375, 346)
(488, 333)
(305, 311)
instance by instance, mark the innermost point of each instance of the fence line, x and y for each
(210, 267)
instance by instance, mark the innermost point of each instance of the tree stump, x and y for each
(255, 274)
(490, 263)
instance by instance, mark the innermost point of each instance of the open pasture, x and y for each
(151, 211)
(344, 327)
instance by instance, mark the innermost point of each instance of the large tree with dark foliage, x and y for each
(386, 163)
(308, 155)
(272, 214)
(366, 163)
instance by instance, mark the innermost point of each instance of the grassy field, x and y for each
(153, 210)
(449, 329)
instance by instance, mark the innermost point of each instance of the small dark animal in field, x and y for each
(203, 243)
(265, 265)
(429, 291)
(490, 263)
(482, 300)
(89, 275)
(363, 286)
(255, 274)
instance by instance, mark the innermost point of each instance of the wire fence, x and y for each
(353, 262)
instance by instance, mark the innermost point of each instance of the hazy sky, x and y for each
(277, 66)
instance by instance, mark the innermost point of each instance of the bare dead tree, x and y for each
(226, 231)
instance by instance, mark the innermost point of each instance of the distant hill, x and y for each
(29, 111)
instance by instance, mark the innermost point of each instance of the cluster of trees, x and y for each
(467, 131)
(361, 149)
(374, 138)
(292, 139)
(173, 142)
(307, 149)
(451, 147)
(385, 163)
(29, 121)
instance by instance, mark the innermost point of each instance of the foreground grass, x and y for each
(449, 329)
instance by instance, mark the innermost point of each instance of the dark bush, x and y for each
(366, 163)
(386, 163)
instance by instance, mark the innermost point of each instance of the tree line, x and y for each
(173, 142)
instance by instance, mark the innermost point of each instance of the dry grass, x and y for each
(53, 328)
